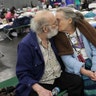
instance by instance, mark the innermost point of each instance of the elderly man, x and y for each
(39, 69)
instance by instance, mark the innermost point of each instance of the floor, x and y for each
(8, 62)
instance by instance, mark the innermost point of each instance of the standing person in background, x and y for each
(39, 4)
(63, 1)
(2, 6)
(77, 4)
(76, 44)
(68, 2)
(84, 5)
(47, 2)
(62, 4)
(39, 69)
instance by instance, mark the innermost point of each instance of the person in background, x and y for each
(3, 13)
(47, 2)
(44, 5)
(11, 14)
(39, 4)
(69, 2)
(32, 5)
(39, 69)
(62, 4)
(76, 45)
(84, 5)
(77, 4)
(2, 5)
(2, 16)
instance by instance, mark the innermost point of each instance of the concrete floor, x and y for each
(8, 62)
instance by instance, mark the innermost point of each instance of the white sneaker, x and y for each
(1, 38)
(14, 34)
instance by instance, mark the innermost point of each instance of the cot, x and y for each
(18, 29)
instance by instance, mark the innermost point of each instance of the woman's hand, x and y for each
(94, 78)
(94, 73)
(89, 73)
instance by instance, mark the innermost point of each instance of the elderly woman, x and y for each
(76, 44)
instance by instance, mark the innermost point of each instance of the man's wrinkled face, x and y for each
(53, 28)
(52, 32)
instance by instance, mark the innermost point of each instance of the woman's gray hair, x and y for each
(69, 13)
(37, 25)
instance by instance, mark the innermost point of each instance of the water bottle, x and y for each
(55, 91)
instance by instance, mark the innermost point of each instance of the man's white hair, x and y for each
(37, 25)
(40, 20)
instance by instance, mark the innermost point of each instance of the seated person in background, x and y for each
(3, 13)
(39, 69)
(2, 16)
(11, 14)
(76, 44)
(84, 5)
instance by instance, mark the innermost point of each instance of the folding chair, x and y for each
(7, 32)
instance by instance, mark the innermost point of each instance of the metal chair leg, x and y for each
(7, 34)
(1, 55)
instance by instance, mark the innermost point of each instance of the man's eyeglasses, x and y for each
(54, 24)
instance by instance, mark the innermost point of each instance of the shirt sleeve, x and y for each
(72, 65)
(93, 49)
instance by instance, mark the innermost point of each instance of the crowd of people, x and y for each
(46, 4)
(8, 14)
(78, 4)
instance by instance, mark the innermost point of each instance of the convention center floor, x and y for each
(8, 62)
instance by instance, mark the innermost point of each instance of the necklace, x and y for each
(80, 44)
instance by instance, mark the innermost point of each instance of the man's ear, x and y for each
(45, 29)
(70, 20)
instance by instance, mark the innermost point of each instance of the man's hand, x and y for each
(44, 92)
(41, 91)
